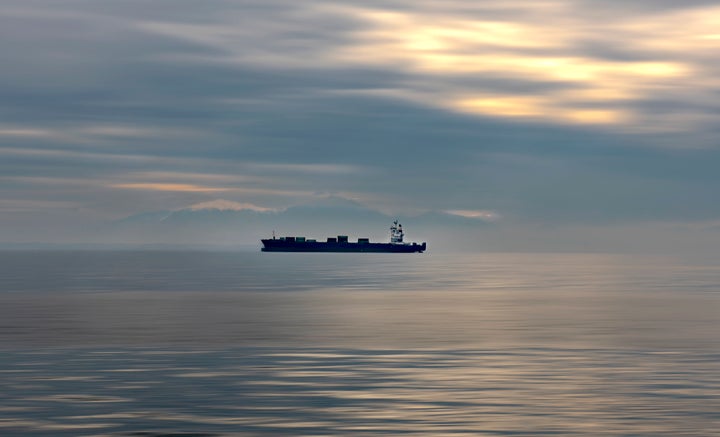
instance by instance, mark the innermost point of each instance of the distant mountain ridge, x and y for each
(225, 222)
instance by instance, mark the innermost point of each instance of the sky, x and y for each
(568, 124)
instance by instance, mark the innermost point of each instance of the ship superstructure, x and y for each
(396, 233)
(341, 243)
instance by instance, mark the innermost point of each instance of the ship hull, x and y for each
(313, 246)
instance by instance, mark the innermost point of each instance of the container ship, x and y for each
(342, 244)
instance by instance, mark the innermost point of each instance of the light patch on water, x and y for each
(477, 345)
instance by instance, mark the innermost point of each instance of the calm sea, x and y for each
(248, 344)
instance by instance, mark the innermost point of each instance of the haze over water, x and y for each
(202, 343)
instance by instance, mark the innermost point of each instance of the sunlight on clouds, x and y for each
(683, 32)
(503, 105)
(443, 48)
(170, 176)
(594, 116)
(433, 33)
(577, 68)
(478, 214)
(89, 133)
(188, 188)
(192, 188)
(618, 92)
(229, 205)
(536, 107)
(584, 70)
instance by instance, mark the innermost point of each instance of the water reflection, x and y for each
(143, 344)
(265, 391)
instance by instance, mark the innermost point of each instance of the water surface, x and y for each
(201, 343)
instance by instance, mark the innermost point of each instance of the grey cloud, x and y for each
(216, 107)
(644, 6)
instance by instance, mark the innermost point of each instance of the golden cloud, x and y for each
(600, 68)
(592, 89)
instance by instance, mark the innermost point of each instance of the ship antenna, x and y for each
(273, 234)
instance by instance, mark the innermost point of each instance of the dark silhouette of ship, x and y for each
(341, 244)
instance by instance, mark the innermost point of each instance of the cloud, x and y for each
(229, 205)
(595, 72)
(478, 214)
(24, 206)
(185, 188)
(436, 47)
(543, 111)
(24, 133)
(308, 168)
